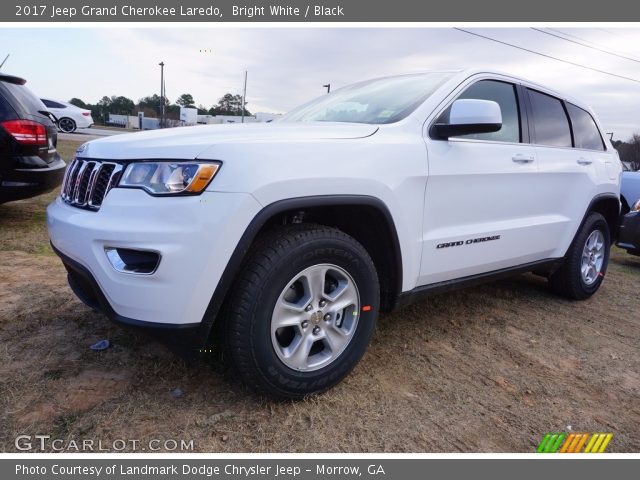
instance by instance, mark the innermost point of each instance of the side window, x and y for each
(504, 94)
(51, 104)
(585, 130)
(550, 121)
(6, 111)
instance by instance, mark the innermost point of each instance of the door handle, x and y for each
(521, 158)
(584, 161)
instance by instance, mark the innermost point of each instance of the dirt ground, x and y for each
(488, 369)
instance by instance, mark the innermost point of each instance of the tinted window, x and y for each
(52, 104)
(550, 121)
(385, 100)
(6, 112)
(585, 131)
(23, 99)
(504, 94)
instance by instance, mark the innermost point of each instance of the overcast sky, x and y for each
(288, 66)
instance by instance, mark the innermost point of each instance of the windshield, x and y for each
(385, 100)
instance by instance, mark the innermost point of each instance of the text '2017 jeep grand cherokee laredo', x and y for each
(29, 162)
(295, 234)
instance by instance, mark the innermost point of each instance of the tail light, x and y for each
(26, 132)
(86, 114)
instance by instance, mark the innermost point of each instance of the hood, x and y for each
(189, 142)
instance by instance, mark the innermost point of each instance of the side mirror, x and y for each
(468, 116)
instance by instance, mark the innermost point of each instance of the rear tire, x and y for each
(302, 310)
(67, 125)
(585, 263)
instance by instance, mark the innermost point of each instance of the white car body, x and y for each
(447, 200)
(64, 111)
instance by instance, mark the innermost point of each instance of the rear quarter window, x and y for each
(22, 98)
(585, 131)
(6, 110)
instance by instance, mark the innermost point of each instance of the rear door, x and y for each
(568, 174)
(482, 196)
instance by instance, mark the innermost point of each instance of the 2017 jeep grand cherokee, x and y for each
(29, 162)
(293, 236)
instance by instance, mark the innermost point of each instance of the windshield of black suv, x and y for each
(384, 100)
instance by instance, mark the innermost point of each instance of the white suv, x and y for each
(287, 239)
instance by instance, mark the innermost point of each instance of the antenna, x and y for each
(5, 59)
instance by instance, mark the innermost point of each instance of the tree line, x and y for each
(151, 105)
(629, 151)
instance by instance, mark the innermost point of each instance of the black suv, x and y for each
(29, 162)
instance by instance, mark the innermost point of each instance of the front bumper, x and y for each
(187, 339)
(629, 233)
(22, 183)
(195, 236)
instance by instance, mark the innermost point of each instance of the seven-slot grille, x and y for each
(86, 182)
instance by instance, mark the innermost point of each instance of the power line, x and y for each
(610, 33)
(548, 56)
(584, 44)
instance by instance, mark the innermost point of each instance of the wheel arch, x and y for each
(365, 218)
(608, 205)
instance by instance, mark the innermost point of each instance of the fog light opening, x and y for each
(133, 261)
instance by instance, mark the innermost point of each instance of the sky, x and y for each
(289, 66)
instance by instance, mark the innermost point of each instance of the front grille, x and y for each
(87, 182)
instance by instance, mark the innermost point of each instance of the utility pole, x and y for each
(5, 59)
(328, 87)
(162, 93)
(244, 95)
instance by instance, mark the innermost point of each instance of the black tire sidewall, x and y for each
(320, 251)
(70, 120)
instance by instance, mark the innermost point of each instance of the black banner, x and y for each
(316, 11)
(318, 468)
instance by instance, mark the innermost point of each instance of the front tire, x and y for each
(302, 311)
(67, 125)
(585, 263)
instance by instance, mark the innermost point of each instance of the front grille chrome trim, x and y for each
(87, 182)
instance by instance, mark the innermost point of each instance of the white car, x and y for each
(69, 116)
(287, 239)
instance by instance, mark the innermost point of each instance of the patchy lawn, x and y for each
(488, 369)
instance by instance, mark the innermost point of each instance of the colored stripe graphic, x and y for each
(571, 439)
(543, 443)
(582, 441)
(606, 441)
(591, 443)
(551, 442)
(573, 443)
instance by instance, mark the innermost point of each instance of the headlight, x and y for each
(636, 207)
(169, 178)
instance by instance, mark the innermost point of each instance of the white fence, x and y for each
(149, 123)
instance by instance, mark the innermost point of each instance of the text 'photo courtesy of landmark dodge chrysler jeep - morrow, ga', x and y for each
(287, 239)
